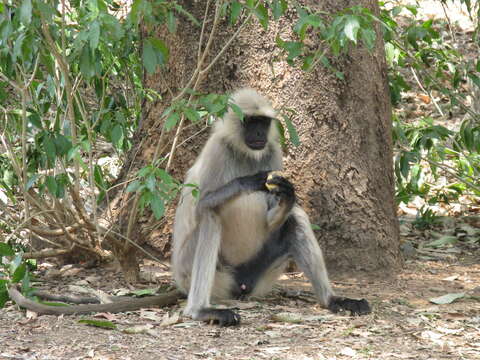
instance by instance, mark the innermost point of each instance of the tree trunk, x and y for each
(343, 167)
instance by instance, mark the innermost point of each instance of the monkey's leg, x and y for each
(308, 256)
(203, 274)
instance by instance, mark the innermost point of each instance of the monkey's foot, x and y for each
(222, 317)
(356, 307)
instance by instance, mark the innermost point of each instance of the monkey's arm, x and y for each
(215, 198)
(203, 274)
(308, 256)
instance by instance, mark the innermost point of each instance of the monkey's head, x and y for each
(257, 129)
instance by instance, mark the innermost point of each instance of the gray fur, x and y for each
(233, 225)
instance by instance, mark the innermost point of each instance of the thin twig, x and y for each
(24, 222)
(10, 82)
(446, 169)
(61, 60)
(450, 27)
(45, 253)
(227, 45)
(426, 91)
(202, 32)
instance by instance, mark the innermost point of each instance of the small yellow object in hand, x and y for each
(268, 184)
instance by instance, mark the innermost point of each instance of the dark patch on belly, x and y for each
(247, 275)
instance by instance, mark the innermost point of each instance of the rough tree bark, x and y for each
(343, 167)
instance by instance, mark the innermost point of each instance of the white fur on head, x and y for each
(230, 127)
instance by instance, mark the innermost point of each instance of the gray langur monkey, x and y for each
(236, 239)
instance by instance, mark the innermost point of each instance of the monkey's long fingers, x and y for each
(356, 307)
(222, 317)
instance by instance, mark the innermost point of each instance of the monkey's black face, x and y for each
(255, 130)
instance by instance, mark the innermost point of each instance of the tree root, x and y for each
(114, 307)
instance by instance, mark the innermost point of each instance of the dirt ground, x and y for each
(285, 325)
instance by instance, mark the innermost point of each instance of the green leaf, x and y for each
(235, 10)
(26, 12)
(261, 13)
(237, 110)
(191, 115)
(306, 21)
(35, 120)
(278, 8)
(447, 299)
(52, 303)
(158, 207)
(352, 25)
(3, 297)
(51, 184)
(73, 153)
(15, 263)
(396, 11)
(475, 79)
(47, 10)
(171, 121)
(171, 22)
(87, 68)
(149, 57)
(19, 273)
(294, 49)
(368, 37)
(17, 47)
(143, 172)
(292, 131)
(98, 177)
(31, 181)
(62, 145)
(49, 148)
(133, 186)
(98, 323)
(117, 136)
(161, 50)
(151, 183)
(26, 283)
(155, 52)
(143, 292)
(94, 35)
(185, 13)
(6, 250)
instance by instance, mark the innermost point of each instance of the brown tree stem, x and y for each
(45, 253)
(115, 307)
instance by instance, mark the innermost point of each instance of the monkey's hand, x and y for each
(356, 307)
(222, 317)
(277, 184)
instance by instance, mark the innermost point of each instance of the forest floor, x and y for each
(404, 323)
